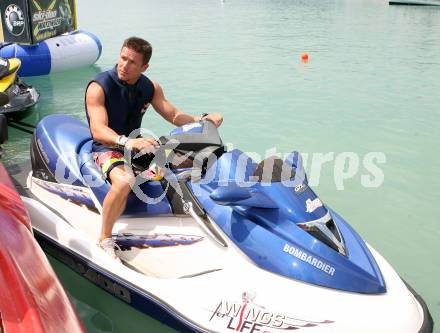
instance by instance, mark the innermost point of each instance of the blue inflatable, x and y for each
(56, 54)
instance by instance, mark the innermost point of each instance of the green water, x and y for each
(372, 84)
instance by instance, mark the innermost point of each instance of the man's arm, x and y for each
(169, 112)
(95, 101)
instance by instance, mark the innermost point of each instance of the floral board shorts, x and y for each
(107, 160)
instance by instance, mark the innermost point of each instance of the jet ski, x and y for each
(220, 244)
(15, 95)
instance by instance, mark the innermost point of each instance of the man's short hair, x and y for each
(140, 46)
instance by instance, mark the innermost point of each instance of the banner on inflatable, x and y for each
(32, 21)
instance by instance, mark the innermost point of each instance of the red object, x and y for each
(32, 299)
(305, 57)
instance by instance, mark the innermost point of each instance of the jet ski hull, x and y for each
(214, 266)
(208, 296)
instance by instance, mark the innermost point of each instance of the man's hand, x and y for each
(216, 118)
(143, 145)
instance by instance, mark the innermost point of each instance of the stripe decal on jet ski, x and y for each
(128, 241)
(77, 194)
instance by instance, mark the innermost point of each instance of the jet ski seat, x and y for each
(60, 139)
(138, 203)
(63, 154)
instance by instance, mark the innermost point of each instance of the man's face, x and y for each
(130, 66)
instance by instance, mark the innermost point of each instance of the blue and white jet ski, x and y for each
(220, 244)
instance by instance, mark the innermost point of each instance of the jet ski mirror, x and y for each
(234, 195)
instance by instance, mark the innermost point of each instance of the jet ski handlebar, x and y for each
(188, 146)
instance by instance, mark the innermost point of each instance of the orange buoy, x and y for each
(304, 57)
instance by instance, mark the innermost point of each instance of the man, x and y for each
(116, 100)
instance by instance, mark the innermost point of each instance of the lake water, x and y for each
(367, 102)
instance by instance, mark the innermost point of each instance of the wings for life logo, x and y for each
(14, 19)
(248, 317)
